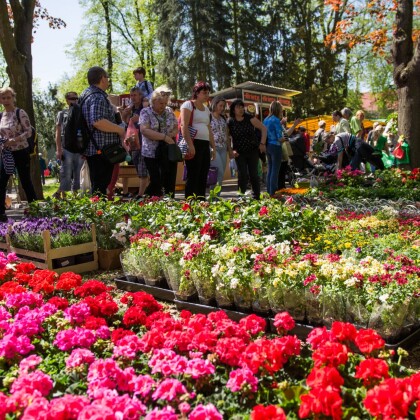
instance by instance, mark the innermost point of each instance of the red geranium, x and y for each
(284, 322)
(25, 267)
(318, 336)
(60, 303)
(134, 316)
(68, 281)
(343, 331)
(143, 300)
(325, 378)
(102, 305)
(330, 354)
(91, 288)
(368, 341)
(253, 324)
(270, 412)
(94, 323)
(120, 333)
(372, 371)
(321, 401)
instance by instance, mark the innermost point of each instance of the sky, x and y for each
(50, 62)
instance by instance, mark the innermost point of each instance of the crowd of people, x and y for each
(213, 136)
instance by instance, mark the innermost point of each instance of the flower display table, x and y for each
(77, 258)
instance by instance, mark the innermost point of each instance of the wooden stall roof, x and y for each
(311, 123)
(236, 91)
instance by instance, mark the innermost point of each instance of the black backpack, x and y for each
(76, 131)
(32, 141)
(147, 86)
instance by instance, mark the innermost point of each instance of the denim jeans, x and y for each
(274, 163)
(220, 164)
(71, 163)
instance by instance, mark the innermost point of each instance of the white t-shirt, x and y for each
(200, 121)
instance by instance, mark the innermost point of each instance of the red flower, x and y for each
(186, 207)
(94, 199)
(11, 287)
(284, 322)
(60, 303)
(134, 316)
(263, 211)
(270, 412)
(68, 281)
(102, 305)
(25, 267)
(120, 333)
(99, 213)
(22, 278)
(368, 341)
(208, 229)
(330, 354)
(318, 336)
(253, 324)
(142, 300)
(91, 288)
(343, 331)
(372, 371)
(321, 401)
(94, 323)
(325, 378)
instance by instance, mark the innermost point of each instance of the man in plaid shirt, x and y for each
(100, 117)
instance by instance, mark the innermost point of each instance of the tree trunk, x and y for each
(16, 43)
(406, 77)
(110, 64)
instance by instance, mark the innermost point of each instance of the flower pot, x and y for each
(314, 308)
(334, 308)
(205, 286)
(207, 301)
(224, 297)
(174, 275)
(186, 297)
(356, 311)
(294, 303)
(109, 259)
(276, 297)
(261, 303)
(155, 282)
(243, 297)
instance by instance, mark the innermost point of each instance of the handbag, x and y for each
(289, 149)
(212, 176)
(114, 153)
(398, 152)
(174, 153)
(132, 137)
(182, 143)
(85, 177)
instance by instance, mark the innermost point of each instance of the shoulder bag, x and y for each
(182, 143)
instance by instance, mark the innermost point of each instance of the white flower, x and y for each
(206, 238)
(234, 282)
(383, 298)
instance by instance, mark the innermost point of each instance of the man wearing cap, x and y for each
(144, 85)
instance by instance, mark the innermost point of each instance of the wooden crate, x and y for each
(4, 247)
(44, 260)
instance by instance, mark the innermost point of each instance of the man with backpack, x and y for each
(99, 120)
(71, 162)
(144, 85)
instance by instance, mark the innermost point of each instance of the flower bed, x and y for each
(83, 351)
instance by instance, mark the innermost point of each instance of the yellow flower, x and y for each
(347, 245)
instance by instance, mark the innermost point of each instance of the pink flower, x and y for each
(253, 324)
(263, 211)
(167, 413)
(29, 363)
(318, 336)
(143, 385)
(169, 389)
(96, 412)
(18, 300)
(283, 322)
(199, 367)
(79, 357)
(36, 383)
(38, 408)
(240, 378)
(167, 362)
(205, 412)
(77, 313)
(78, 337)
(11, 345)
(127, 347)
(67, 407)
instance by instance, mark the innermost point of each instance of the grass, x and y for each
(50, 187)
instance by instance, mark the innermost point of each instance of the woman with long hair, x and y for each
(221, 136)
(15, 129)
(275, 138)
(246, 146)
(195, 113)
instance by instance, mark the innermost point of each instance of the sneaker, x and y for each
(3, 218)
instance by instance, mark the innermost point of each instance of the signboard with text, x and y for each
(251, 96)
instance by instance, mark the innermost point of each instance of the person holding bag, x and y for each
(158, 127)
(14, 146)
(198, 157)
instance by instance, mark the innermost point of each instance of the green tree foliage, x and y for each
(46, 107)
